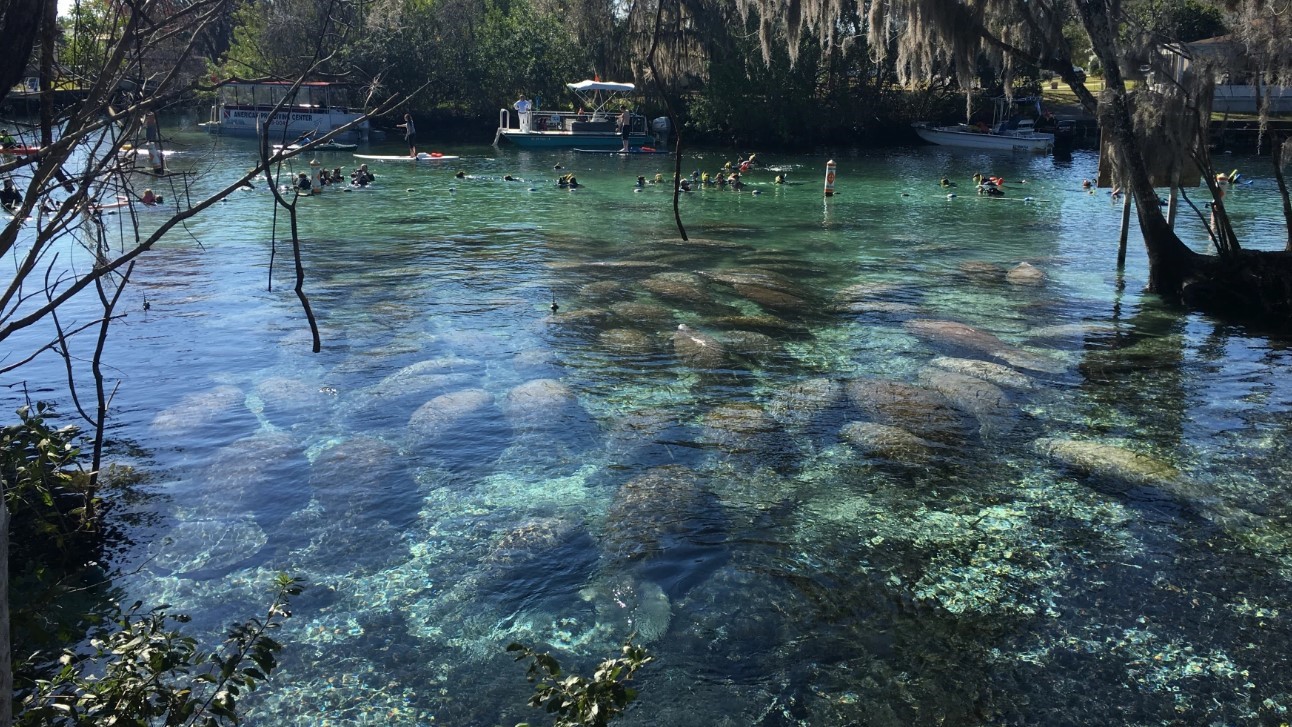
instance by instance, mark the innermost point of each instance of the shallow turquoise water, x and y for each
(801, 514)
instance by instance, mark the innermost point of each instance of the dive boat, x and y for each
(317, 109)
(593, 127)
(1006, 133)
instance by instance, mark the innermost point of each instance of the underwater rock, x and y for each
(925, 413)
(196, 410)
(887, 441)
(1109, 461)
(798, 404)
(1025, 273)
(626, 341)
(685, 287)
(661, 504)
(698, 349)
(204, 545)
(986, 370)
(443, 413)
(626, 605)
(988, 403)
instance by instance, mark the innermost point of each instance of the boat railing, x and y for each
(572, 121)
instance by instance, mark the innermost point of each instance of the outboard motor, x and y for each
(661, 127)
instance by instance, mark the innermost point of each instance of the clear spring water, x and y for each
(1100, 537)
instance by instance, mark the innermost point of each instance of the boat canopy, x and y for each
(594, 86)
(596, 94)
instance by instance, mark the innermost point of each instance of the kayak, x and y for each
(21, 150)
(423, 157)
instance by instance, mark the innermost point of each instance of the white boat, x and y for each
(593, 127)
(317, 109)
(1004, 134)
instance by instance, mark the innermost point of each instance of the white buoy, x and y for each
(829, 178)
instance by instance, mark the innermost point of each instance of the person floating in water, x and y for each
(641, 181)
(947, 182)
(149, 198)
(10, 197)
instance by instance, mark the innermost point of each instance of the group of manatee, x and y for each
(968, 393)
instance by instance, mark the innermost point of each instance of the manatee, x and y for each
(865, 291)
(1070, 331)
(981, 270)
(798, 404)
(290, 396)
(738, 427)
(661, 504)
(988, 403)
(198, 545)
(579, 316)
(1110, 461)
(236, 474)
(196, 410)
(986, 370)
(625, 340)
(423, 376)
(537, 398)
(887, 441)
(631, 606)
(772, 298)
(926, 413)
(761, 323)
(686, 287)
(445, 412)
(881, 307)
(643, 313)
(1025, 273)
(698, 349)
(968, 337)
(602, 290)
(750, 343)
(355, 474)
(755, 277)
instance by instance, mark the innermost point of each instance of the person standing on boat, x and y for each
(625, 127)
(524, 109)
(410, 134)
(152, 132)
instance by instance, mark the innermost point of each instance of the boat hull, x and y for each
(246, 121)
(944, 136)
(568, 139)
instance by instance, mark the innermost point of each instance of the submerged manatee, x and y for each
(627, 605)
(537, 399)
(659, 505)
(985, 401)
(925, 413)
(887, 441)
(626, 341)
(202, 545)
(965, 336)
(196, 410)
(986, 370)
(358, 474)
(685, 287)
(1025, 273)
(1110, 461)
(698, 349)
(798, 404)
(444, 413)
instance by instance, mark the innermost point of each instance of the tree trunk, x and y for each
(6, 663)
(1276, 150)
(19, 21)
(1170, 261)
(48, 37)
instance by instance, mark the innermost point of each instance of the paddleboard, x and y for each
(423, 157)
(620, 151)
(321, 147)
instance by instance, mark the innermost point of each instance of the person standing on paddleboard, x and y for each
(410, 134)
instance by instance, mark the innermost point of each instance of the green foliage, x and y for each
(52, 508)
(577, 701)
(86, 30)
(146, 673)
